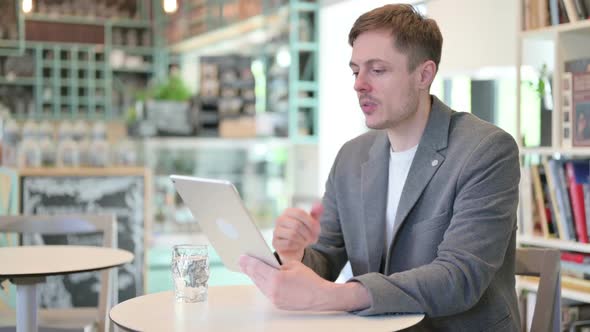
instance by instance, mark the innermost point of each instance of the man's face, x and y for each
(387, 91)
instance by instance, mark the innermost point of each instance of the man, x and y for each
(423, 206)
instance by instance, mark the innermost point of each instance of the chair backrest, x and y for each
(545, 264)
(74, 224)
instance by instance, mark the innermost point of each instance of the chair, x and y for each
(543, 263)
(72, 319)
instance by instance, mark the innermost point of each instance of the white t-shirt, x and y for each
(399, 166)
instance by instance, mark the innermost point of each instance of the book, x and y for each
(558, 201)
(577, 65)
(566, 111)
(540, 199)
(570, 8)
(575, 284)
(575, 257)
(554, 11)
(586, 187)
(543, 13)
(587, 6)
(581, 9)
(533, 220)
(562, 13)
(577, 174)
(580, 104)
(529, 216)
(563, 194)
(527, 13)
(578, 269)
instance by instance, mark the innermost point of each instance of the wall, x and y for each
(479, 39)
(477, 33)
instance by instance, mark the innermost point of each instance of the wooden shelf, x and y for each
(70, 19)
(234, 35)
(550, 32)
(548, 151)
(18, 81)
(553, 243)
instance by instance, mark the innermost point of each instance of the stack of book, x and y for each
(541, 13)
(555, 200)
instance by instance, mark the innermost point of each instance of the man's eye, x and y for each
(355, 74)
(378, 71)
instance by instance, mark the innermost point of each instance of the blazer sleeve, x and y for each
(473, 247)
(328, 256)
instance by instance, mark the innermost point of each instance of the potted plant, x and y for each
(168, 107)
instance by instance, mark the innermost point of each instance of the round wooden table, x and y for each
(240, 308)
(28, 266)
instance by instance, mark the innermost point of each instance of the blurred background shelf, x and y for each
(526, 240)
(251, 116)
(566, 291)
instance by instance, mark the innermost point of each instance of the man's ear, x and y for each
(427, 71)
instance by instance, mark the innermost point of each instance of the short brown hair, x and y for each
(416, 36)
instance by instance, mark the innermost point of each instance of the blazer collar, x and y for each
(436, 132)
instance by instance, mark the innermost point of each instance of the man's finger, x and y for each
(288, 222)
(316, 210)
(302, 217)
(260, 272)
(254, 266)
(290, 232)
(287, 245)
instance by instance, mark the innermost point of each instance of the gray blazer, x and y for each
(452, 255)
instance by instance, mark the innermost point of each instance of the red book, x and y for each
(577, 197)
(575, 257)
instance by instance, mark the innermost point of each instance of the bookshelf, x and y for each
(536, 241)
(554, 41)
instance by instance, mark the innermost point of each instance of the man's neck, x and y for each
(407, 134)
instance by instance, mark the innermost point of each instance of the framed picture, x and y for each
(581, 108)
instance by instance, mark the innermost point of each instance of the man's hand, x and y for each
(296, 287)
(295, 229)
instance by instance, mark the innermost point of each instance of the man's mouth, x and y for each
(368, 107)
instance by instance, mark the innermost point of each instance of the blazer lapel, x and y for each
(426, 162)
(374, 175)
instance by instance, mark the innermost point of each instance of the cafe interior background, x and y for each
(101, 100)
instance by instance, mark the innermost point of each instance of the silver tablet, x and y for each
(217, 207)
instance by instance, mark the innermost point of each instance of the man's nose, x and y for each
(361, 84)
